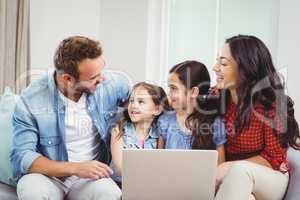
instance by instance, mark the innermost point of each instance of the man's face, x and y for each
(89, 75)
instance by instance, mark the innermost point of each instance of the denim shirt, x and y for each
(39, 120)
(175, 138)
(131, 141)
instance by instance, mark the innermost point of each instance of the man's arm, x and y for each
(25, 138)
(25, 157)
(89, 169)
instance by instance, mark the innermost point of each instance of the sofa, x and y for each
(8, 192)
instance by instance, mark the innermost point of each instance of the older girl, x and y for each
(193, 124)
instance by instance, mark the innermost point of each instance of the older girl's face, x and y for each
(226, 70)
(179, 95)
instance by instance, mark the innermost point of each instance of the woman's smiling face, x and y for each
(226, 70)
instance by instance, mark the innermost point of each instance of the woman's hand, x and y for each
(222, 171)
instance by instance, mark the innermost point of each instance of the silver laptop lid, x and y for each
(169, 174)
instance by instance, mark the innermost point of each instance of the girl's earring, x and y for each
(195, 92)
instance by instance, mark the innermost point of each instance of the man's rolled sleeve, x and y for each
(123, 89)
(27, 160)
(24, 144)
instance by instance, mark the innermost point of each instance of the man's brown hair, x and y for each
(73, 50)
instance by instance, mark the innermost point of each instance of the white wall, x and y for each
(192, 31)
(124, 35)
(289, 48)
(53, 20)
(122, 27)
(198, 28)
(250, 17)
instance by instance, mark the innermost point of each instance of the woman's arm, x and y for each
(273, 154)
(116, 146)
(160, 143)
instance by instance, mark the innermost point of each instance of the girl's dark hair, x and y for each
(159, 98)
(195, 74)
(259, 83)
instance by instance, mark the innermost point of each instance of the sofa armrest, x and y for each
(293, 192)
(7, 192)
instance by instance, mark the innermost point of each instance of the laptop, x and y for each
(163, 174)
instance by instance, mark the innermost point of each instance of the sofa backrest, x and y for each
(7, 104)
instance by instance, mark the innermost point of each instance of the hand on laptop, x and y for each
(92, 170)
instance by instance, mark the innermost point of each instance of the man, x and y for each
(60, 125)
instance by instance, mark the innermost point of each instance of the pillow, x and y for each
(293, 192)
(7, 105)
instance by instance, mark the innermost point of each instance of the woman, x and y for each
(259, 120)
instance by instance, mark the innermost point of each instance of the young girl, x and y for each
(194, 123)
(259, 119)
(137, 129)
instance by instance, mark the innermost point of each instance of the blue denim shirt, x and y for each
(39, 120)
(131, 141)
(175, 138)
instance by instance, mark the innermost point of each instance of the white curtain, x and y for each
(14, 44)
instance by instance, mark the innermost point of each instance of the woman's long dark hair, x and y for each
(195, 74)
(159, 98)
(259, 83)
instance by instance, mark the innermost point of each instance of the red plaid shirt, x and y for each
(258, 139)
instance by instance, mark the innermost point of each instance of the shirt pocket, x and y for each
(50, 141)
(49, 146)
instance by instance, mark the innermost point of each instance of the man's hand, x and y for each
(92, 170)
(89, 169)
